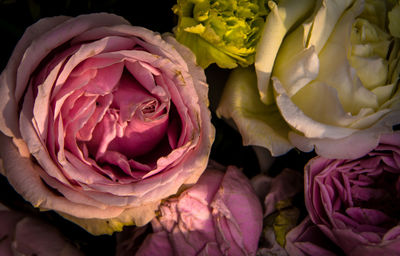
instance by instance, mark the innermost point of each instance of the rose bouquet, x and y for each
(200, 127)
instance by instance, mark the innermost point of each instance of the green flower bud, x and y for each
(225, 32)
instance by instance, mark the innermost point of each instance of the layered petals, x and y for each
(109, 119)
(355, 202)
(225, 32)
(331, 70)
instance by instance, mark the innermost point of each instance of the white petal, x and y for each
(278, 22)
(306, 124)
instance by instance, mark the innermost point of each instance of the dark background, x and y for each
(16, 15)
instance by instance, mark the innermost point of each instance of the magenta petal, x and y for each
(129, 96)
(140, 137)
(23, 235)
(143, 73)
(102, 104)
(117, 159)
(103, 134)
(94, 63)
(105, 80)
(44, 89)
(391, 248)
(84, 109)
(183, 111)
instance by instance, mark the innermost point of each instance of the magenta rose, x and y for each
(23, 235)
(220, 215)
(356, 202)
(101, 120)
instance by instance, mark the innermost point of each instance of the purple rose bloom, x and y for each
(356, 202)
(23, 235)
(220, 215)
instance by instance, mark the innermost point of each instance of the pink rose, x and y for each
(23, 235)
(356, 202)
(101, 120)
(220, 215)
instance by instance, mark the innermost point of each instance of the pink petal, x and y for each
(143, 73)
(8, 104)
(243, 205)
(103, 134)
(102, 105)
(105, 80)
(44, 87)
(53, 38)
(23, 175)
